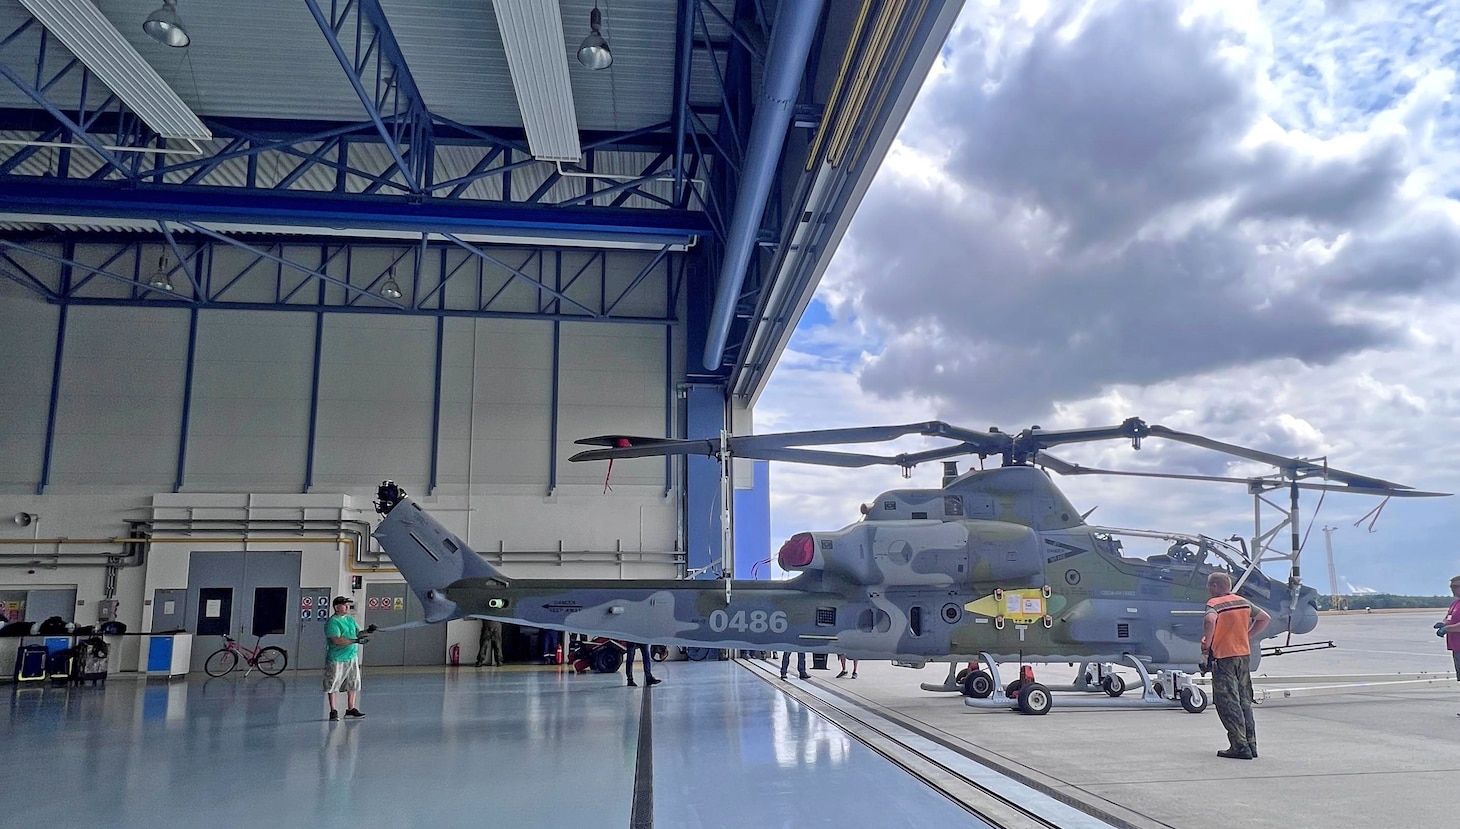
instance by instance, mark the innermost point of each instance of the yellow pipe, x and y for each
(836, 89)
(902, 53)
(882, 33)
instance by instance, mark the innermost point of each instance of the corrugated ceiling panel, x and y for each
(268, 59)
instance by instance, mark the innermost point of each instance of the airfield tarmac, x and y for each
(1381, 757)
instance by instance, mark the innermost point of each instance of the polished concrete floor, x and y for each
(1376, 756)
(721, 746)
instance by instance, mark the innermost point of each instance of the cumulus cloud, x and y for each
(1232, 218)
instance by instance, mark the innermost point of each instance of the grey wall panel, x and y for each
(611, 381)
(511, 421)
(376, 391)
(120, 408)
(250, 417)
(28, 341)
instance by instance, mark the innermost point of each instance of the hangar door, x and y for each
(394, 604)
(246, 595)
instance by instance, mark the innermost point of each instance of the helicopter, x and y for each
(994, 565)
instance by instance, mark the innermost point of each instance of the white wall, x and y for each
(119, 422)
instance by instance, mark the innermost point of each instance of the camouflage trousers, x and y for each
(1232, 695)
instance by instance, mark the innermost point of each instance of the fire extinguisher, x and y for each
(456, 654)
(558, 656)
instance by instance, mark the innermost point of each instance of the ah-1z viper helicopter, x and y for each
(995, 565)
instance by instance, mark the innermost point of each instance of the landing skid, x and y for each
(1169, 689)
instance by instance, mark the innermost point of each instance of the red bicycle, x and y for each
(270, 661)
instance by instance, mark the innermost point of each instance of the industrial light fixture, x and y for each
(160, 280)
(390, 290)
(165, 27)
(95, 41)
(594, 52)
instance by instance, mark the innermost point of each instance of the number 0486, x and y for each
(756, 621)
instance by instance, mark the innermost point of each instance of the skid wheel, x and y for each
(977, 684)
(1194, 700)
(1113, 685)
(1035, 699)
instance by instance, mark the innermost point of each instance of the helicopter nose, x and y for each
(1305, 614)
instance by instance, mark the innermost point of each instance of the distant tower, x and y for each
(1332, 574)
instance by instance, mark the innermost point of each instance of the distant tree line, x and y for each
(1380, 601)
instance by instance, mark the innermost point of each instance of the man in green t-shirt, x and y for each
(342, 659)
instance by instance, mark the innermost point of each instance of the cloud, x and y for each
(1231, 218)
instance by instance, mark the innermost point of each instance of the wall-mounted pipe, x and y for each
(795, 28)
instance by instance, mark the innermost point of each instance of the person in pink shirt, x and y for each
(1450, 627)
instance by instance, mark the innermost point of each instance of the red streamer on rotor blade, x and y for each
(618, 443)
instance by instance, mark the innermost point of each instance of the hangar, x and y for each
(259, 256)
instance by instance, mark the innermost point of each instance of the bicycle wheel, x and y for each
(271, 661)
(220, 662)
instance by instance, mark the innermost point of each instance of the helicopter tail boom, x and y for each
(430, 556)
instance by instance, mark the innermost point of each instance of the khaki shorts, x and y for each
(342, 676)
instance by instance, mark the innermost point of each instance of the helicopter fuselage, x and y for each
(997, 562)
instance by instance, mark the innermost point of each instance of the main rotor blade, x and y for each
(784, 446)
(650, 448)
(1064, 467)
(1292, 466)
(1032, 440)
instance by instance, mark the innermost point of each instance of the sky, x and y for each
(1234, 218)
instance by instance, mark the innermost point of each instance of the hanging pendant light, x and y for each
(165, 27)
(594, 52)
(390, 290)
(160, 280)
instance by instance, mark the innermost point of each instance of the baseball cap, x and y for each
(339, 600)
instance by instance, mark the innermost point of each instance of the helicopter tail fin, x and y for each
(430, 556)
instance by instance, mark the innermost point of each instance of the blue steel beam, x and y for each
(683, 60)
(215, 279)
(400, 83)
(187, 405)
(304, 269)
(240, 205)
(56, 363)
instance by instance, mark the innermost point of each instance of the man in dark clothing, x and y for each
(489, 646)
(1230, 624)
(643, 650)
(800, 664)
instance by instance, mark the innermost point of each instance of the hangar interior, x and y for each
(258, 257)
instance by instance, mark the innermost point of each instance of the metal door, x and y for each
(385, 606)
(169, 610)
(232, 579)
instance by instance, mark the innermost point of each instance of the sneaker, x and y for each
(1235, 753)
(805, 676)
(653, 681)
(854, 674)
(633, 684)
(783, 679)
(842, 674)
(353, 713)
(334, 715)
